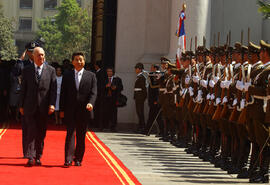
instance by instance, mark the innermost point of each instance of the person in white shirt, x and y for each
(59, 77)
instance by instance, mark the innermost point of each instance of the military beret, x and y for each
(213, 50)
(244, 49)
(183, 56)
(31, 45)
(139, 66)
(171, 65)
(221, 50)
(237, 47)
(253, 48)
(164, 60)
(265, 46)
(200, 50)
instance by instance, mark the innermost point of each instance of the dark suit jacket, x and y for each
(100, 76)
(73, 101)
(38, 95)
(115, 93)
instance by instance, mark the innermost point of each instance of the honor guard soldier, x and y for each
(254, 69)
(140, 95)
(260, 92)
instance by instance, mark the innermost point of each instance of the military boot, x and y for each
(263, 175)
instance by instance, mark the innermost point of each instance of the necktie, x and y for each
(77, 80)
(38, 75)
(110, 91)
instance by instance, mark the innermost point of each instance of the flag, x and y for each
(180, 32)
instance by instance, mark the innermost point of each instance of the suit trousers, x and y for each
(78, 125)
(24, 136)
(140, 112)
(36, 133)
(110, 110)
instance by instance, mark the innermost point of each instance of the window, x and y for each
(25, 24)
(26, 4)
(50, 4)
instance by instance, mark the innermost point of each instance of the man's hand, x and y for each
(62, 115)
(113, 87)
(108, 85)
(89, 107)
(21, 111)
(51, 109)
(23, 55)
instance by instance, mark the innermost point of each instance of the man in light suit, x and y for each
(78, 95)
(38, 96)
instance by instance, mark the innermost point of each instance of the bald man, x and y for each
(37, 101)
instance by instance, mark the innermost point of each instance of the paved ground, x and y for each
(155, 162)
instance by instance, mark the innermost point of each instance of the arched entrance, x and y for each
(104, 32)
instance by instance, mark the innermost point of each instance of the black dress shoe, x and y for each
(38, 162)
(78, 163)
(30, 163)
(67, 163)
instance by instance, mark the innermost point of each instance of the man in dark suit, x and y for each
(78, 95)
(38, 97)
(17, 72)
(98, 112)
(112, 91)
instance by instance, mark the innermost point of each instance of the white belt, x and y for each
(265, 99)
(137, 89)
(162, 89)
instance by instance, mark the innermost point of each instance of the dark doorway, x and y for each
(104, 32)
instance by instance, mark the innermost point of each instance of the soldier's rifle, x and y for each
(243, 115)
(235, 112)
(191, 102)
(230, 77)
(182, 100)
(202, 104)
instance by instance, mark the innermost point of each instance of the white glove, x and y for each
(242, 103)
(247, 84)
(187, 79)
(159, 75)
(225, 100)
(222, 84)
(218, 101)
(208, 96)
(234, 101)
(196, 79)
(212, 96)
(204, 83)
(212, 83)
(216, 78)
(190, 90)
(199, 96)
(239, 85)
(227, 84)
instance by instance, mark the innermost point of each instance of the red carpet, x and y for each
(100, 165)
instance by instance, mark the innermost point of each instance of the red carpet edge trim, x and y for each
(122, 172)
(3, 130)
